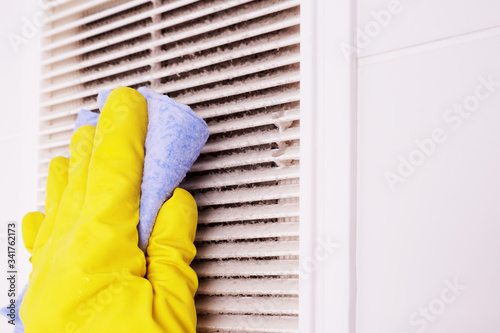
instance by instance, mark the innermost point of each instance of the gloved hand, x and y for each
(89, 274)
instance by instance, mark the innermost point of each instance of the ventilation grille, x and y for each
(236, 63)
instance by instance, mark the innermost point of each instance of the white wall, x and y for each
(18, 113)
(440, 224)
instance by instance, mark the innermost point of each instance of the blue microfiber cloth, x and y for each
(174, 140)
(86, 117)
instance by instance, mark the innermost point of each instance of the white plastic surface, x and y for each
(428, 249)
(391, 24)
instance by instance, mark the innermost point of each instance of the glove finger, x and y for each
(170, 253)
(115, 171)
(80, 149)
(57, 181)
(30, 227)
(107, 227)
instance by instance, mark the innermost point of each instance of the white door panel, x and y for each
(392, 24)
(440, 222)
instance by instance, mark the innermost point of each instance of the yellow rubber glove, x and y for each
(89, 274)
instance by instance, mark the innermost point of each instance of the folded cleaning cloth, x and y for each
(86, 117)
(174, 140)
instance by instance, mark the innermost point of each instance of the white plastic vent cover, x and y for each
(236, 63)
